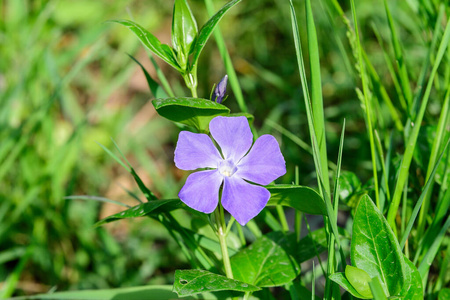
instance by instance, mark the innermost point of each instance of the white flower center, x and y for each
(227, 168)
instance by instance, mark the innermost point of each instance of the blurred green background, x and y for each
(67, 83)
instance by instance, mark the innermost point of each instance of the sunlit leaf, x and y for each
(191, 282)
(184, 31)
(190, 111)
(301, 198)
(375, 249)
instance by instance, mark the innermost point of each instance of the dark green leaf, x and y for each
(190, 111)
(151, 42)
(269, 261)
(301, 198)
(360, 280)
(340, 279)
(184, 31)
(207, 30)
(147, 193)
(348, 184)
(190, 282)
(444, 294)
(375, 249)
(144, 209)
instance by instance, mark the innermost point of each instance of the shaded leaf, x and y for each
(375, 249)
(154, 207)
(207, 30)
(190, 111)
(155, 88)
(340, 279)
(190, 282)
(151, 42)
(301, 198)
(269, 261)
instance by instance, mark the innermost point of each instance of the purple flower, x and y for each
(234, 166)
(220, 90)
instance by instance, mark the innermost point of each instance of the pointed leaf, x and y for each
(190, 111)
(269, 261)
(151, 42)
(207, 30)
(340, 279)
(184, 31)
(413, 289)
(191, 282)
(375, 249)
(301, 198)
(444, 294)
(144, 209)
(359, 279)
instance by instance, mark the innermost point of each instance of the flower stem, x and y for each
(221, 233)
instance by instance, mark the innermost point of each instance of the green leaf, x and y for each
(144, 209)
(153, 292)
(147, 193)
(349, 184)
(151, 42)
(190, 282)
(207, 30)
(301, 198)
(155, 88)
(269, 261)
(359, 279)
(377, 289)
(340, 279)
(375, 249)
(444, 294)
(190, 111)
(413, 289)
(184, 31)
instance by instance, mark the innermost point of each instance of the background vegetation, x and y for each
(67, 84)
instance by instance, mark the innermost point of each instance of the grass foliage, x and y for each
(371, 87)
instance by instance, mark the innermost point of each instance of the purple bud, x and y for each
(220, 90)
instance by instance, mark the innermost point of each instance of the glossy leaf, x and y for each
(191, 282)
(207, 30)
(301, 198)
(269, 261)
(375, 249)
(151, 42)
(340, 279)
(413, 289)
(359, 279)
(348, 185)
(184, 31)
(190, 111)
(144, 209)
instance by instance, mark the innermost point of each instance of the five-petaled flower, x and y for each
(235, 166)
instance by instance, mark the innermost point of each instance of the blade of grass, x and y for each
(406, 161)
(367, 104)
(437, 144)
(95, 198)
(316, 93)
(399, 58)
(232, 77)
(422, 197)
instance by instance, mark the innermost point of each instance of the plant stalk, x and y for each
(221, 233)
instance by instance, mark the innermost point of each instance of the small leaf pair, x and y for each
(376, 253)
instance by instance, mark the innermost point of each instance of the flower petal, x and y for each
(201, 190)
(264, 163)
(195, 150)
(233, 135)
(243, 200)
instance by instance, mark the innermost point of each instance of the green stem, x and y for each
(221, 233)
